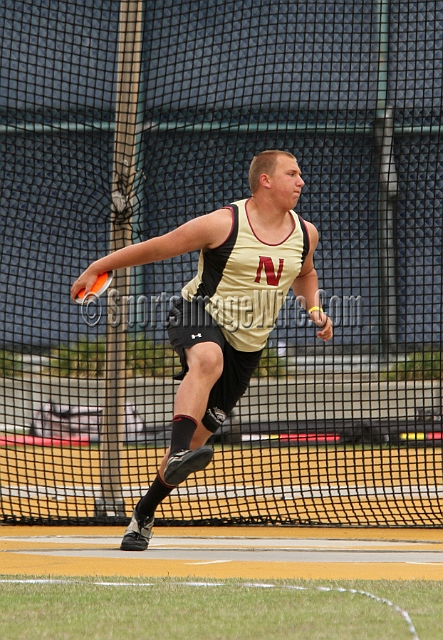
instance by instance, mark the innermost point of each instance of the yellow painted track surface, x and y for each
(321, 486)
(334, 486)
(231, 552)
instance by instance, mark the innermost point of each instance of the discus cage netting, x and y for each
(121, 120)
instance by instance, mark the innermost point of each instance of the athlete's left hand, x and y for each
(325, 323)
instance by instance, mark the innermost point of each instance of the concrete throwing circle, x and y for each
(184, 552)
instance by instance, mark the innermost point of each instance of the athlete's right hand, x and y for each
(86, 280)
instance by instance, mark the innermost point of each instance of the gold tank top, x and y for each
(244, 281)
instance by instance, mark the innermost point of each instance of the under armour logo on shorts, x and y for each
(197, 335)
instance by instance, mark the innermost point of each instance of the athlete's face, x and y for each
(286, 182)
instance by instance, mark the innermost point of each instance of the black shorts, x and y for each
(188, 324)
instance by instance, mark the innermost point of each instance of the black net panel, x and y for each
(347, 433)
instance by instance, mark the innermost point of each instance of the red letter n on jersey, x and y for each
(268, 266)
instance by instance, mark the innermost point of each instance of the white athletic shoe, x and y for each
(138, 534)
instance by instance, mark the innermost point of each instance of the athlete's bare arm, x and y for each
(305, 288)
(204, 232)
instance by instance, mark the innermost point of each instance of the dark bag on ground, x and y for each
(60, 422)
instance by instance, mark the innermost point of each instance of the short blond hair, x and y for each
(264, 162)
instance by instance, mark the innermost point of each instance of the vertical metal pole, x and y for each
(381, 8)
(137, 280)
(111, 503)
(387, 222)
(387, 189)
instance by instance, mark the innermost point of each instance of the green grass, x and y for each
(10, 364)
(419, 365)
(144, 358)
(87, 359)
(170, 609)
(271, 364)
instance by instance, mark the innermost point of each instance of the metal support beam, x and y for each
(111, 504)
(387, 189)
(387, 216)
(220, 126)
(381, 13)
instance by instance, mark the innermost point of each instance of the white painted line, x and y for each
(257, 585)
(124, 584)
(280, 492)
(203, 584)
(235, 543)
(194, 564)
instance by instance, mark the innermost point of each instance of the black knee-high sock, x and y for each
(157, 492)
(183, 428)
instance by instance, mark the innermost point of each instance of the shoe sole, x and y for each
(194, 461)
(132, 547)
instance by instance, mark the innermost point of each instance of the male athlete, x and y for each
(251, 253)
